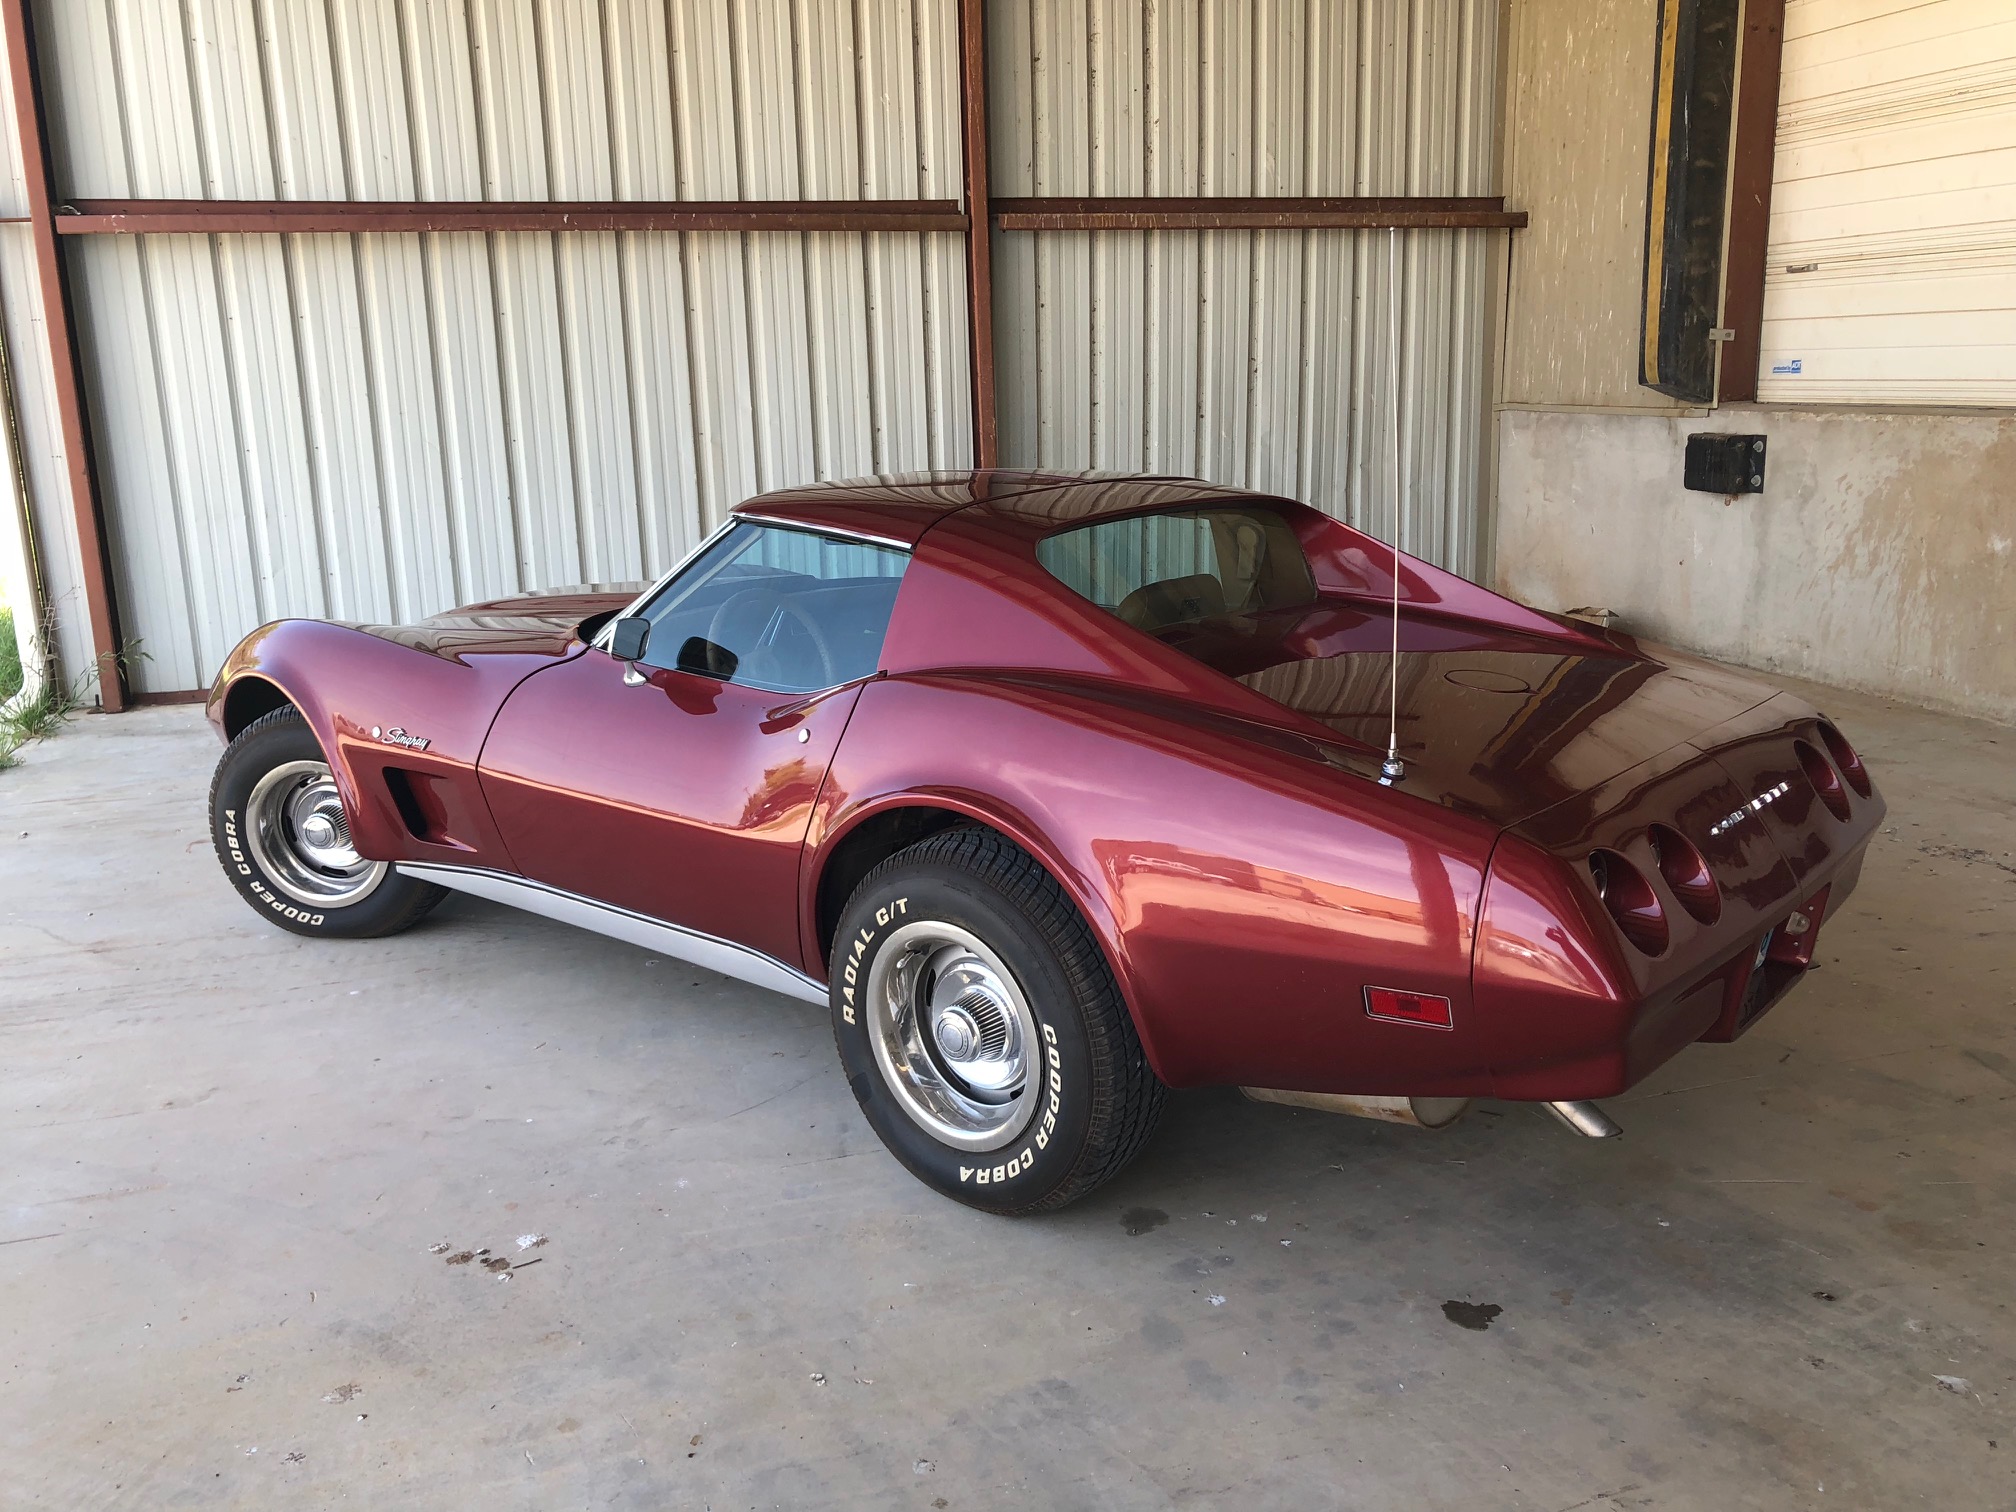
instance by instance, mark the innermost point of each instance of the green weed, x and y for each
(10, 657)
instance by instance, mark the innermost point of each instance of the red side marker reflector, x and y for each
(1409, 1008)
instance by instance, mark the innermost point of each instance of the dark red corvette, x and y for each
(1063, 790)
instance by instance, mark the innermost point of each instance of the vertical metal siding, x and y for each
(42, 455)
(1260, 359)
(378, 426)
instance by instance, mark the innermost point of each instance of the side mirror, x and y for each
(627, 638)
(703, 656)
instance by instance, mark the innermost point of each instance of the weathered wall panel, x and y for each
(1577, 120)
(1263, 359)
(1881, 556)
(378, 426)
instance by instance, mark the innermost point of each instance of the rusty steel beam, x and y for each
(1209, 213)
(85, 502)
(979, 230)
(1751, 159)
(1226, 213)
(137, 217)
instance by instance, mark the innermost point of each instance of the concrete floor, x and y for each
(227, 1156)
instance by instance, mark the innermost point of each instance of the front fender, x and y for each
(402, 728)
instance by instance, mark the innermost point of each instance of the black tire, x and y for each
(1096, 1098)
(377, 901)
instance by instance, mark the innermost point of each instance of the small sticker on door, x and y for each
(1790, 367)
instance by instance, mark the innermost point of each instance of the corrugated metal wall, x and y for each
(377, 426)
(42, 457)
(1258, 358)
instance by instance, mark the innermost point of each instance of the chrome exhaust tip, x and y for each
(1585, 1118)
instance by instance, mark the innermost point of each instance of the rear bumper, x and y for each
(1591, 1051)
(1577, 1011)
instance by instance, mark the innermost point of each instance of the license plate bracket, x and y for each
(1757, 978)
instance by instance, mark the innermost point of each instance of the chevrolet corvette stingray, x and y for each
(1060, 791)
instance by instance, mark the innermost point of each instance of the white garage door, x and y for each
(1892, 263)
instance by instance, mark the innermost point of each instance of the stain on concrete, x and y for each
(1142, 1220)
(1205, 1381)
(1929, 1234)
(1476, 1316)
(1988, 1060)
(1972, 855)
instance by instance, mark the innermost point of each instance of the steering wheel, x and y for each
(757, 618)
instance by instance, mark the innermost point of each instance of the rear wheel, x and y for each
(981, 1031)
(277, 821)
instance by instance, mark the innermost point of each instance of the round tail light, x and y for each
(1630, 899)
(1845, 758)
(1686, 872)
(1826, 781)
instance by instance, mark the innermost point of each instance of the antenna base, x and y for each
(1391, 770)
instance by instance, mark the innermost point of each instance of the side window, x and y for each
(1179, 567)
(794, 611)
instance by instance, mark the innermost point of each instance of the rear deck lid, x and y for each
(1496, 722)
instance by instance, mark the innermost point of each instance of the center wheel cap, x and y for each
(957, 1034)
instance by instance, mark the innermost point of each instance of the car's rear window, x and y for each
(1183, 567)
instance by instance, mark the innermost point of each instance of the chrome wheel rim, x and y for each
(953, 1036)
(297, 832)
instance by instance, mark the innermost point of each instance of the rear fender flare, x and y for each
(978, 807)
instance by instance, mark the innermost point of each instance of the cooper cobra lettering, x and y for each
(1026, 1157)
(265, 895)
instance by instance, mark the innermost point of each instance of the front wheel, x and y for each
(283, 839)
(981, 1030)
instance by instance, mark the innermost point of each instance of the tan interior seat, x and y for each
(1173, 601)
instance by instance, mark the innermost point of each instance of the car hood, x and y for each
(1505, 731)
(529, 623)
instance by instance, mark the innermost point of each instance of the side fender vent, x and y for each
(422, 807)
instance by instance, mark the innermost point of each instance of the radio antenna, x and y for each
(1392, 769)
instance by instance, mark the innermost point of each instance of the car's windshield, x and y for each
(794, 610)
(1181, 567)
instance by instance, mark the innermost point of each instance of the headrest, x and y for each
(1173, 601)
